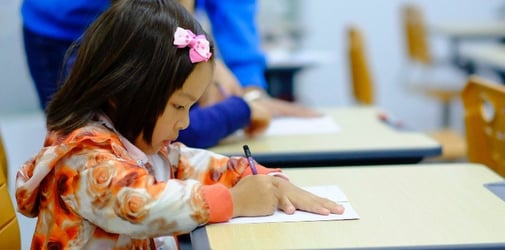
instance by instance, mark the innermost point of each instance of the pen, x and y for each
(396, 123)
(248, 155)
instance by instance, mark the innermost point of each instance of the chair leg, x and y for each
(446, 114)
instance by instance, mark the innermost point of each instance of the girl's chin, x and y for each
(166, 143)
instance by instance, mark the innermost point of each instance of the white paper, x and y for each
(298, 125)
(331, 192)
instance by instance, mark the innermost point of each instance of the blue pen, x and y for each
(250, 160)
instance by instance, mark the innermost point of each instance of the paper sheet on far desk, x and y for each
(331, 192)
(298, 125)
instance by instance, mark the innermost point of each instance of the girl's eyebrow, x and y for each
(189, 96)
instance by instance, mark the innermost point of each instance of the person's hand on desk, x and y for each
(279, 107)
(261, 195)
(260, 118)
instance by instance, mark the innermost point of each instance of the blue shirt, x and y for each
(68, 19)
(233, 27)
(65, 20)
(237, 38)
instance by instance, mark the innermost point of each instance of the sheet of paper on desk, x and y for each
(331, 192)
(298, 125)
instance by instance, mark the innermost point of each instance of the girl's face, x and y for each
(175, 117)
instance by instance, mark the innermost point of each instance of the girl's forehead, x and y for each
(185, 94)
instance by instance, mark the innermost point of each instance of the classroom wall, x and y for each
(322, 24)
(17, 93)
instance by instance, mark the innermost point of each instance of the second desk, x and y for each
(363, 138)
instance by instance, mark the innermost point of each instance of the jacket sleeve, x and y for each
(123, 198)
(211, 124)
(213, 171)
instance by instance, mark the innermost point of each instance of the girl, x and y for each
(108, 176)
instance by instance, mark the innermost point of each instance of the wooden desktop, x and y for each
(420, 206)
(363, 139)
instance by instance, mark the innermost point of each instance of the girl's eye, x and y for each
(178, 107)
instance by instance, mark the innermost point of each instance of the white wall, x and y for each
(17, 93)
(323, 22)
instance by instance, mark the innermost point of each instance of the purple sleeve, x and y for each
(210, 124)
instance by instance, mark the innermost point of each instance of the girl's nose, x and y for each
(183, 123)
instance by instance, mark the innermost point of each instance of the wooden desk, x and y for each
(491, 56)
(420, 206)
(458, 32)
(470, 30)
(282, 67)
(362, 139)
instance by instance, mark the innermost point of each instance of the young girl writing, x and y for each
(108, 176)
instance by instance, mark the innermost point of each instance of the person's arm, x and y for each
(237, 38)
(248, 194)
(209, 125)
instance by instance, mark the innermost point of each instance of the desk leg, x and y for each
(501, 74)
(456, 59)
(280, 83)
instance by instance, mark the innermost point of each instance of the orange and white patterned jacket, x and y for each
(89, 191)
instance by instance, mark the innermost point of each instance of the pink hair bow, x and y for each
(199, 46)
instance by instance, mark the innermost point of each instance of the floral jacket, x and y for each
(90, 191)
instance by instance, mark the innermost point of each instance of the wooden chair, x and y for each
(362, 84)
(453, 144)
(10, 237)
(484, 105)
(3, 157)
(418, 52)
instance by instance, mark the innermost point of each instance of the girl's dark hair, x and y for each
(126, 67)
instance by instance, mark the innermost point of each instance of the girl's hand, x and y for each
(260, 195)
(291, 198)
(254, 195)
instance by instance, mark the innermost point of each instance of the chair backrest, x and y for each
(484, 105)
(3, 157)
(415, 34)
(361, 79)
(10, 237)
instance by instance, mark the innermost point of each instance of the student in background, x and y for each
(234, 28)
(233, 25)
(51, 27)
(108, 176)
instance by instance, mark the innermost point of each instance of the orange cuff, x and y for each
(218, 197)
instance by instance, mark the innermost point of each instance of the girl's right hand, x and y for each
(254, 195)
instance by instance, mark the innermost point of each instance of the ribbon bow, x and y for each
(199, 46)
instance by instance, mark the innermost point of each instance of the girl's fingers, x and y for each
(286, 206)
